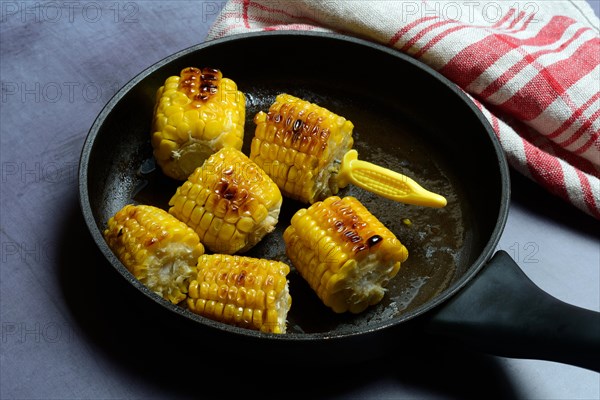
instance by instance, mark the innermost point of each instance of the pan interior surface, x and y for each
(405, 119)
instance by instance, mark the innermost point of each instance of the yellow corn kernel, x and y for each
(158, 249)
(344, 252)
(195, 115)
(235, 293)
(300, 145)
(239, 204)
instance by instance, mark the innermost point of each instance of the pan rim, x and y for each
(484, 255)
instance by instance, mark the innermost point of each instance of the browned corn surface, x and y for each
(155, 247)
(242, 291)
(196, 114)
(300, 146)
(344, 252)
(230, 202)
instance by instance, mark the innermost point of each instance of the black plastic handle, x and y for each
(502, 312)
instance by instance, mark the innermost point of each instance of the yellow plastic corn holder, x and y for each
(384, 182)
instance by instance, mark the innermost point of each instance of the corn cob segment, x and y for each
(159, 250)
(229, 201)
(242, 291)
(299, 145)
(196, 114)
(344, 252)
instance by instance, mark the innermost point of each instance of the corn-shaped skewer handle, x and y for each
(384, 182)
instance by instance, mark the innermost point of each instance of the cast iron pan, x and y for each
(407, 118)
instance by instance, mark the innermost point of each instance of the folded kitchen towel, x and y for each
(531, 67)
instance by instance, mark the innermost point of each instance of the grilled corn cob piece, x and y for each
(307, 150)
(159, 250)
(242, 291)
(229, 201)
(196, 114)
(299, 145)
(344, 252)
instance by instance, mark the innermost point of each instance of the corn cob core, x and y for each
(300, 145)
(159, 250)
(196, 114)
(229, 201)
(344, 252)
(242, 291)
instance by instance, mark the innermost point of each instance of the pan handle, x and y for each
(502, 312)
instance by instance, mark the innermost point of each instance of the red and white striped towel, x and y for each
(532, 67)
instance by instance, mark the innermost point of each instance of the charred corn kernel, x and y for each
(242, 291)
(300, 146)
(344, 252)
(229, 201)
(157, 248)
(196, 114)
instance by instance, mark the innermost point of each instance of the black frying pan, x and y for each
(407, 118)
